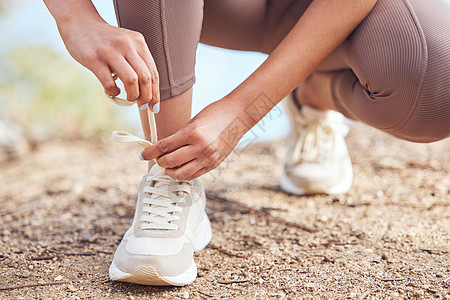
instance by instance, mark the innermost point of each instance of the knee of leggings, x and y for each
(424, 135)
(418, 117)
(430, 121)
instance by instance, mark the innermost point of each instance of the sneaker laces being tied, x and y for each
(317, 138)
(166, 195)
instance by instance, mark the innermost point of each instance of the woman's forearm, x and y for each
(76, 12)
(322, 28)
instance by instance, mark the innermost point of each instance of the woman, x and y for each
(383, 62)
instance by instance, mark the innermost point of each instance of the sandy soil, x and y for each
(65, 206)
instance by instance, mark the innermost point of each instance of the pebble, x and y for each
(78, 188)
(58, 278)
(25, 274)
(71, 288)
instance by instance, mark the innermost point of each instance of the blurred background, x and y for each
(46, 94)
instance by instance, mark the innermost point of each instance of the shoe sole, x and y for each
(319, 188)
(148, 275)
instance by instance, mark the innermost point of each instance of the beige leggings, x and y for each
(392, 72)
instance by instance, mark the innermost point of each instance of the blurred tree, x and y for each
(49, 96)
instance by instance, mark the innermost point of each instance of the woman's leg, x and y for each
(172, 31)
(170, 222)
(250, 25)
(398, 78)
(176, 112)
(315, 91)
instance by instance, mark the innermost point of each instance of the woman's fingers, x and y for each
(178, 157)
(167, 145)
(103, 74)
(186, 171)
(198, 173)
(126, 54)
(144, 79)
(144, 53)
(128, 76)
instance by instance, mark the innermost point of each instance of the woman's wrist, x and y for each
(69, 14)
(243, 114)
(67, 27)
(249, 105)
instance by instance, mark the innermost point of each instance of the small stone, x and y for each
(86, 237)
(58, 278)
(323, 218)
(30, 267)
(310, 286)
(78, 188)
(66, 216)
(25, 274)
(185, 295)
(71, 288)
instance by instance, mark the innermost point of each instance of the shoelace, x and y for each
(162, 203)
(166, 195)
(317, 139)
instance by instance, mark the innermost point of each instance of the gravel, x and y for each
(65, 206)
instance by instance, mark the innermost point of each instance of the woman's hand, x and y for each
(202, 144)
(106, 49)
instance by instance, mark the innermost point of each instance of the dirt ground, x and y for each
(65, 207)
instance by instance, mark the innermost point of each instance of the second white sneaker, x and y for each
(169, 224)
(317, 159)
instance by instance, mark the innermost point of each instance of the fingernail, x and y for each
(144, 106)
(140, 156)
(156, 108)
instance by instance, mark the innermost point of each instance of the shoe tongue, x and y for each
(160, 184)
(155, 169)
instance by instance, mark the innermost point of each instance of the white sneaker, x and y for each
(169, 224)
(317, 159)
